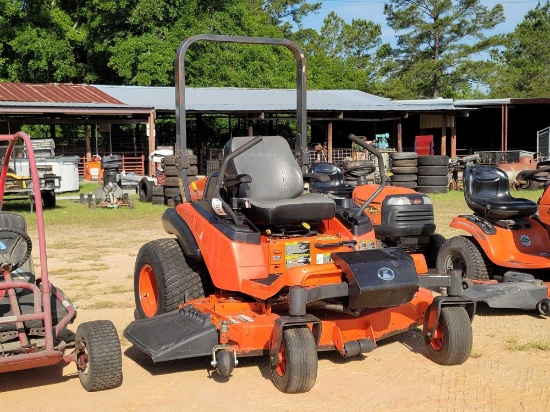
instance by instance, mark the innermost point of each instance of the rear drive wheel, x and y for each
(296, 370)
(451, 343)
(99, 358)
(164, 277)
(462, 253)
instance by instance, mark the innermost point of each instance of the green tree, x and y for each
(438, 46)
(524, 69)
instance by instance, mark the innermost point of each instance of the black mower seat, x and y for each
(336, 186)
(487, 193)
(276, 191)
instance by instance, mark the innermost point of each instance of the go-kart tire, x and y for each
(103, 368)
(145, 188)
(172, 182)
(452, 340)
(164, 278)
(297, 370)
(157, 191)
(434, 160)
(403, 178)
(432, 189)
(404, 163)
(403, 155)
(172, 171)
(463, 253)
(170, 192)
(434, 246)
(433, 170)
(432, 180)
(404, 170)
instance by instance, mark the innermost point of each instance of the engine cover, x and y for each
(378, 278)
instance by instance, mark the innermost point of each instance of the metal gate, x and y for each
(543, 143)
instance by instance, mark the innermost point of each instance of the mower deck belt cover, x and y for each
(378, 279)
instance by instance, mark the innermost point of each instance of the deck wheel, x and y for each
(451, 343)
(296, 370)
(544, 307)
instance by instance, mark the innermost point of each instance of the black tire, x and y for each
(408, 185)
(298, 370)
(403, 178)
(99, 358)
(172, 171)
(157, 191)
(403, 155)
(433, 170)
(48, 199)
(158, 200)
(348, 164)
(174, 277)
(170, 192)
(131, 203)
(452, 343)
(170, 203)
(404, 170)
(404, 163)
(172, 182)
(544, 307)
(145, 188)
(434, 246)
(463, 253)
(435, 160)
(432, 180)
(433, 189)
(92, 204)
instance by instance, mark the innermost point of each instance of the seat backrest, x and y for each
(332, 171)
(484, 184)
(274, 171)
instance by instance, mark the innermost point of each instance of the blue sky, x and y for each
(514, 11)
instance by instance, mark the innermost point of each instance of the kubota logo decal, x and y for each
(524, 239)
(386, 274)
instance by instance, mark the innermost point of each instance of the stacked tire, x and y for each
(433, 174)
(404, 169)
(171, 183)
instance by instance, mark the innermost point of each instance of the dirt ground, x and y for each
(509, 369)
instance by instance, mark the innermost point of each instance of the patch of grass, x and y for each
(98, 267)
(103, 304)
(64, 244)
(74, 277)
(130, 276)
(491, 334)
(115, 289)
(92, 256)
(60, 272)
(514, 345)
(475, 355)
(83, 294)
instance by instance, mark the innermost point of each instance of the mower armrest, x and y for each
(232, 180)
(318, 177)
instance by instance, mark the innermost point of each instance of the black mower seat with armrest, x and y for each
(276, 191)
(336, 186)
(487, 193)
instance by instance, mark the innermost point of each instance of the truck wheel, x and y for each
(451, 343)
(296, 370)
(146, 190)
(99, 358)
(462, 253)
(164, 277)
(434, 246)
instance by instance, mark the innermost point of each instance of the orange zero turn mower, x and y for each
(257, 267)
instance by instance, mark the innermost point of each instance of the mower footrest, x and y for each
(186, 333)
(512, 295)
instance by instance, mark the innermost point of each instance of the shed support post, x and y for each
(504, 135)
(87, 142)
(399, 135)
(453, 140)
(329, 141)
(151, 124)
(444, 135)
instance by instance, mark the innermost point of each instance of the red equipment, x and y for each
(35, 314)
(291, 273)
(509, 242)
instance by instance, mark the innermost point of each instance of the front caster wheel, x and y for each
(99, 358)
(296, 370)
(225, 362)
(544, 307)
(451, 343)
